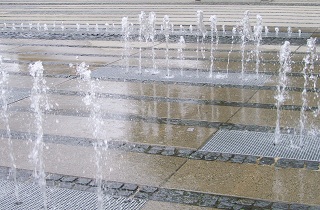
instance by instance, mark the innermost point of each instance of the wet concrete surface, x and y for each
(160, 114)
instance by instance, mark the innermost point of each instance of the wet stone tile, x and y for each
(155, 150)
(266, 161)
(225, 205)
(115, 144)
(212, 156)
(289, 163)
(191, 198)
(262, 204)
(54, 177)
(131, 187)
(24, 178)
(160, 195)
(299, 207)
(92, 189)
(312, 165)
(142, 195)
(278, 206)
(67, 185)
(80, 187)
(168, 151)
(251, 159)
(184, 152)
(148, 189)
(198, 155)
(139, 148)
(68, 179)
(125, 193)
(314, 208)
(112, 185)
(50, 183)
(245, 202)
(238, 158)
(109, 191)
(92, 183)
(83, 181)
(224, 157)
(208, 200)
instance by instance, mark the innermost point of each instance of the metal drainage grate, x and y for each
(30, 197)
(118, 73)
(261, 144)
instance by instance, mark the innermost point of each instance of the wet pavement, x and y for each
(155, 129)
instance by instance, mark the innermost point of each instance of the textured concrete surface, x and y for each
(156, 127)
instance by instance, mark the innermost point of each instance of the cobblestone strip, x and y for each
(175, 151)
(115, 35)
(155, 193)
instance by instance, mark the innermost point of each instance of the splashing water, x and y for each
(125, 37)
(62, 26)
(166, 31)
(223, 30)
(96, 29)
(285, 67)
(181, 29)
(4, 79)
(308, 74)
(39, 105)
(299, 32)
(214, 31)
(201, 30)
(246, 35)
(289, 30)
(107, 26)
(180, 53)
(266, 30)
(234, 31)
(151, 36)
(87, 27)
(96, 124)
(142, 34)
(276, 29)
(258, 38)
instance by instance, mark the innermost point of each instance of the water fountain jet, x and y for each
(285, 67)
(39, 105)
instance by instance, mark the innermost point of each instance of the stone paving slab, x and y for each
(149, 149)
(289, 185)
(133, 191)
(122, 130)
(163, 90)
(118, 166)
(154, 205)
(293, 98)
(289, 118)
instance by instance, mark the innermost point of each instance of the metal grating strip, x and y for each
(119, 73)
(59, 198)
(261, 144)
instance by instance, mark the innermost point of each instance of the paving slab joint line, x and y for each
(131, 190)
